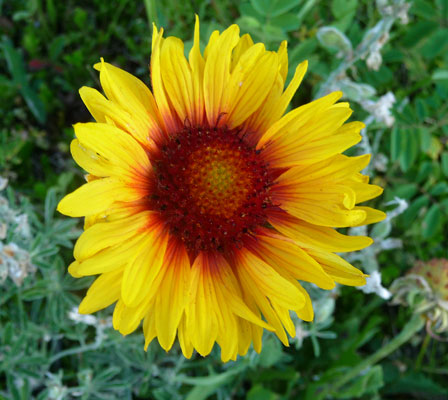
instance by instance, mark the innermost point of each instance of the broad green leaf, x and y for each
(302, 51)
(413, 211)
(424, 171)
(14, 60)
(444, 162)
(435, 148)
(417, 32)
(405, 191)
(425, 138)
(341, 8)
(439, 188)
(258, 392)
(410, 150)
(287, 22)
(432, 221)
(436, 44)
(396, 143)
(274, 8)
(419, 384)
(440, 74)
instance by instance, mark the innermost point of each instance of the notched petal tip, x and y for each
(98, 66)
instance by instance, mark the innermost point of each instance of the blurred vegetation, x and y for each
(47, 50)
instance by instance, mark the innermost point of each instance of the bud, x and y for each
(425, 290)
(435, 273)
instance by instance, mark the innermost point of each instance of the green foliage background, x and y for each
(47, 51)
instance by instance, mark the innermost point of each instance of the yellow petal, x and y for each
(283, 58)
(372, 215)
(197, 72)
(111, 258)
(339, 269)
(168, 117)
(241, 47)
(133, 96)
(103, 292)
(106, 234)
(217, 71)
(184, 340)
(263, 304)
(226, 282)
(177, 78)
(249, 84)
(89, 160)
(172, 295)
(106, 111)
(312, 140)
(305, 313)
(119, 148)
(96, 196)
(201, 319)
(298, 117)
(149, 329)
(311, 236)
(127, 319)
(143, 269)
(285, 255)
(364, 191)
(269, 282)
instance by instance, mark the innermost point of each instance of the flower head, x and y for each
(425, 289)
(205, 204)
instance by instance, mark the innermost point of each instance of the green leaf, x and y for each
(425, 138)
(419, 384)
(218, 379)
(202, 392)
(424, 171)
(341, 8)
(396, 141)
(436, 44)
(410, 150)
(303, 50)
(368, 383)
(444, 162)
(405, 191)
(440, 74)
(439, 188)
(287, 22)
(274, 8)
(432, 222)
(417, 32)
(412, 212)
(14, 60)
(271, 354)
(258, 392)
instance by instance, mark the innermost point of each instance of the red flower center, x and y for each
(211, 188)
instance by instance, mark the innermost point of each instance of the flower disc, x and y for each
(210, 188)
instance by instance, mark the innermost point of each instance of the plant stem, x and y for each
(414, 325)
(422, 351)
(77, 350)
(372, 36)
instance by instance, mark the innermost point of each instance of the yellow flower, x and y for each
(205, 205)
